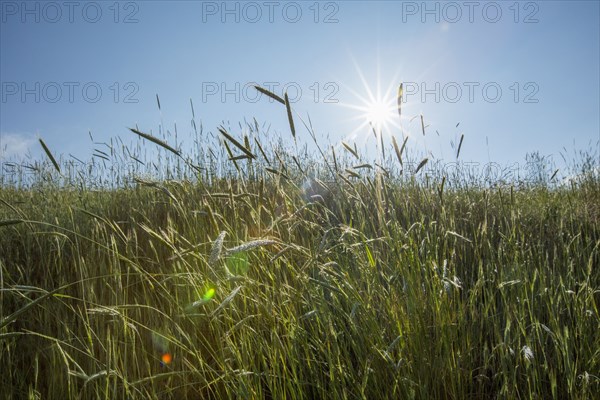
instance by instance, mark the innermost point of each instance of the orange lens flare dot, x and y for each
(167, 358)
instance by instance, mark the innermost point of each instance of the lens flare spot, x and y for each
(209, 294)
(166, 358)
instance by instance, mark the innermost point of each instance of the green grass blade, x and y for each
(351, 150)
(421, 165)
(289, 114)
(400, 92)
(8, 319)
(155, 141)
(270, 94)
(397, 150)
(50, 156)
(236, 143)
(8, 222)
(460, 145)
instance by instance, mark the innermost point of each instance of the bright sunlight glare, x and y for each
(381, 113)
(377, 109)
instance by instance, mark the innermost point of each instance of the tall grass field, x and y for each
(241, 268)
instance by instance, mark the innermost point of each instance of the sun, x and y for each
(376, 109)
(380, 113)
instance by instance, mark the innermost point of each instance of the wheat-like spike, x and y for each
(397, 150)
(421, 165)
(351, 150)
(49, 154)
(236, 143)
(249, 246)
(262, 151)
(403, 145)
(155, 140)
(226, 301)
(362, 166)
(270, 94)
(400, 92)
(460, 145)
(289, 114)
(215, 252)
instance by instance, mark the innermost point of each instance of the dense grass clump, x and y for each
(286, 278)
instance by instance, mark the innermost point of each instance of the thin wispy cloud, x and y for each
(15, 145)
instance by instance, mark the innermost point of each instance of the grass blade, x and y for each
(49, 154)
(9, 318)
(289, 114)
(351, 150)
(215, 251)
(8, 222)
(236, 143)
(460, 144)
(403, 145)
(155, 141)
(250, 246)
(400, 92)
(458, 235)
(262, 151)
(226, 301)
(240, 157)
(397, 150)
(270, 94)
(276, 172)
(421, 165)
(369, 166)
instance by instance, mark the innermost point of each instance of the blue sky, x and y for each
(518, 76)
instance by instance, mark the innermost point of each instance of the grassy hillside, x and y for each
(261, 282)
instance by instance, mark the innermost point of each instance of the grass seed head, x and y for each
(215, 252)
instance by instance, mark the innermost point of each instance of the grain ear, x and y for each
(290, 117)
(50, 156)
(215, 251)
(270, 94)
(421, 165)
(155, 140)
(399, 100)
